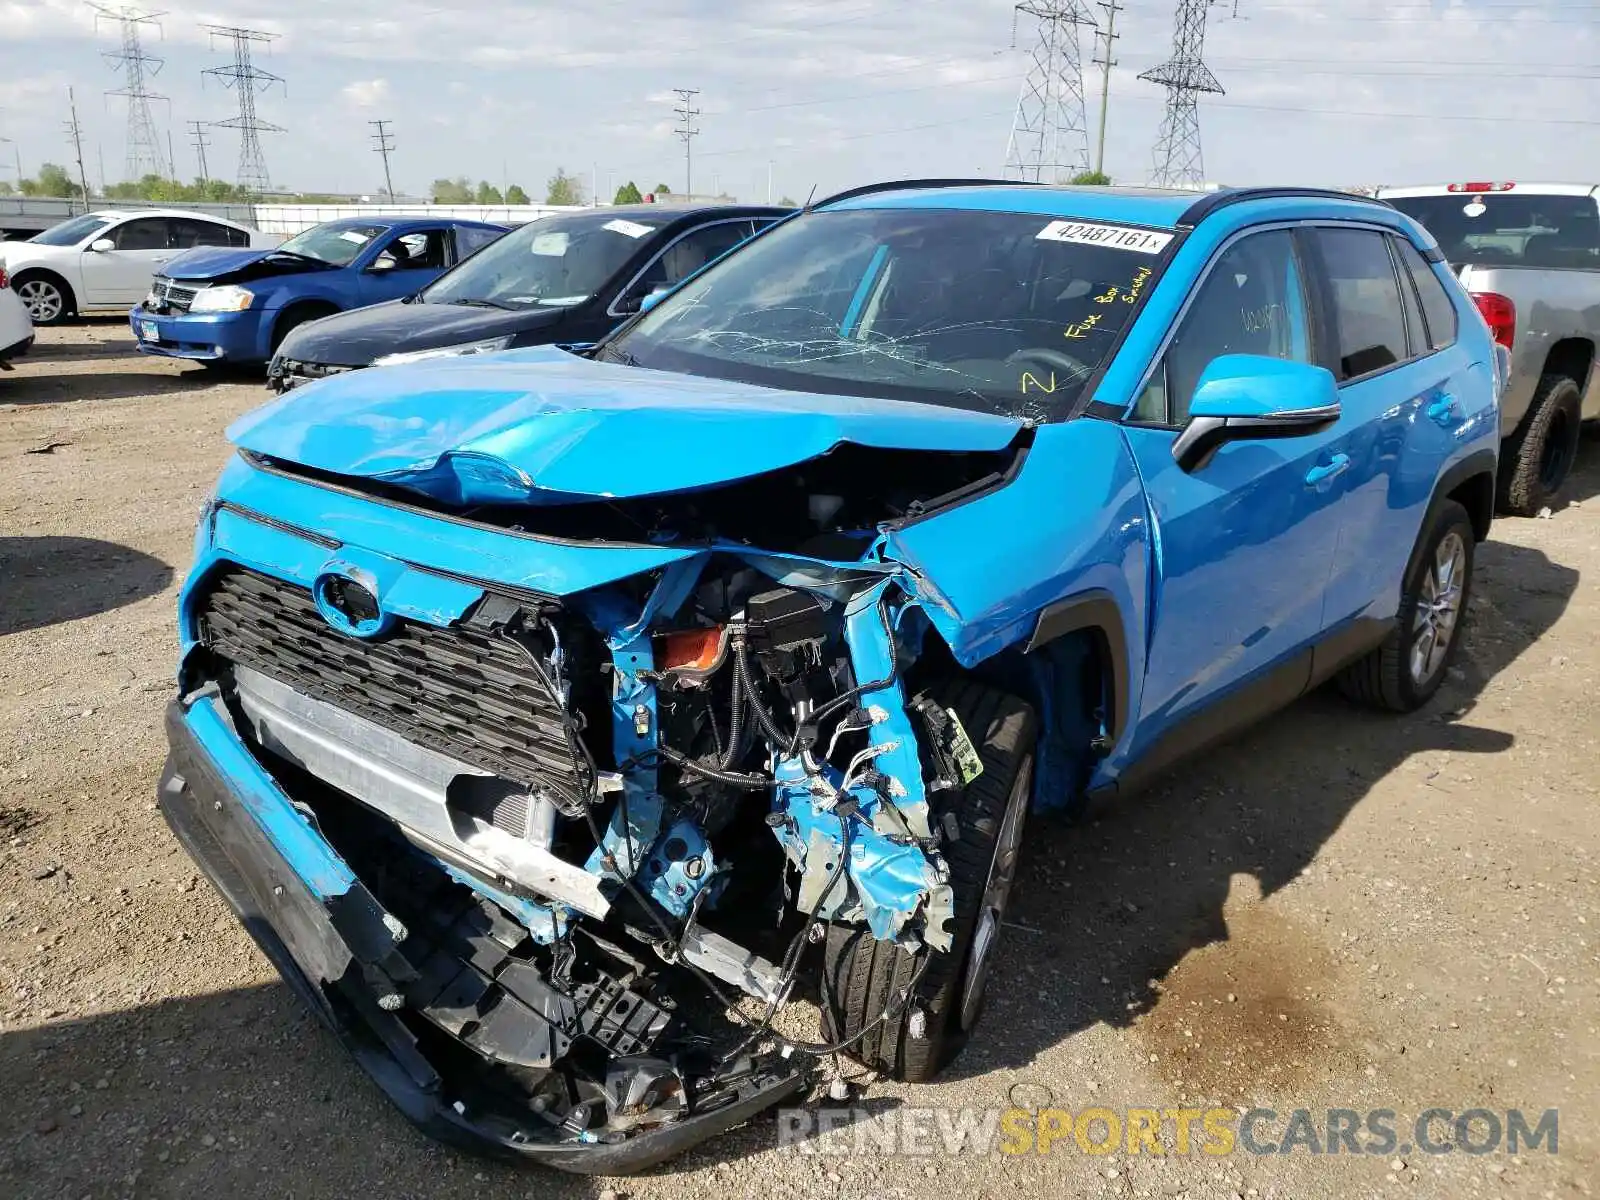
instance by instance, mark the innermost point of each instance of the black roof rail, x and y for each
(1211, 201)
(902, 184)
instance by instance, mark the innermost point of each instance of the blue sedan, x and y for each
(233, 307)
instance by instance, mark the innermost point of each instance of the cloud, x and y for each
(366, 93)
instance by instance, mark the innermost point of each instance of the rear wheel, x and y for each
(46, 298)
(1540, 454)
(1408, 668)
(862, 977)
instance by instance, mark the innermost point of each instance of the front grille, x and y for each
(469, 695)
(169, 295)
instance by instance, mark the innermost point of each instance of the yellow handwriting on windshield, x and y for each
(1083, 328)
(1030, 380)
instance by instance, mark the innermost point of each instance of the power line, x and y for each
(246, 79)
(686, 114)
(1108, 35)
(1049, 140)
(383, 142)
(197, 130)
(143, 148)
(1186, 78)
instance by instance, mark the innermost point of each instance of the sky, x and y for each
(821, 94)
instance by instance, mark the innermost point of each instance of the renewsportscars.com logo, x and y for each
(925, 1132)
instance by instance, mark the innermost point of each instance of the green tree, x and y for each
(564, 189)
(628, 193)
(663, 190)
(488, 193)
(52, 180)
(788, 203)
(515, 195)
(5, 188)
(1091, 179)
(452, 191)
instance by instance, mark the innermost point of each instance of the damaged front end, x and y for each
(550, 845)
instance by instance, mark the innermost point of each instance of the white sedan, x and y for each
(106, 259)
(16, 331)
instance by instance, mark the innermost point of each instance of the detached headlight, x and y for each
(487, 346)
(227, 298)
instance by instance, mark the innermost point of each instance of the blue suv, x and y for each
(534, 708)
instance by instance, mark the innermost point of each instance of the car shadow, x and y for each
(240, 1092)
(47, 580)
(65, 352)
(1103, 912)
(1583, 484)
(22, 389)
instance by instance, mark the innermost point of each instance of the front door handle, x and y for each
(1444, 410)
(1317, 477)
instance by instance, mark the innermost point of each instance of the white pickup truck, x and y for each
(1529, 254)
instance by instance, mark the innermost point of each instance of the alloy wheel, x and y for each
(1002, 873)
(1438, 608)
(43, 300)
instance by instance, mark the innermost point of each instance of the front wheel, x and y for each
(863, 977)
(1408, 668)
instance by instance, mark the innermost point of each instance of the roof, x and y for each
(403, 222)
(123, 213)
(674, 210)
(1160, 208)
(1526, 189)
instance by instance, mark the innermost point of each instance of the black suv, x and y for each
(568, 278)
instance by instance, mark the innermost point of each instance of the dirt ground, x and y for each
(1341, 910)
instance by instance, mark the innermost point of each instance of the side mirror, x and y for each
(102, 245)
(382, 264)
(653, 297)
(1242, 396)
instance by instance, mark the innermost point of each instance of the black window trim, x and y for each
(1315, 296)
(611, 308)
(1321, 266)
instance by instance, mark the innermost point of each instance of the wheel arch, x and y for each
(1470, 483)
(1572, 357)
(298, 311)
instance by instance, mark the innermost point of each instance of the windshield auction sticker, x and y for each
(1119, 237)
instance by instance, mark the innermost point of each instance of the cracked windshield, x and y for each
(996, 312)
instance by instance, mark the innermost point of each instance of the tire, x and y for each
(863, 976)
(1398, 675)
(1539, 455)
(48, 299)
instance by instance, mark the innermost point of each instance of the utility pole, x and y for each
(687, 115)
(75, 131)
(769, 181)
(382, 143)
(1105, 64)
(197, 129)
(246, 79)
(1186, 78)
(144, 151)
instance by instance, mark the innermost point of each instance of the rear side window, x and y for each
(470, 239)
(1439, 312)
(1368, 313)
(188, 233)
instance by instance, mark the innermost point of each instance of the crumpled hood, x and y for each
(355, 338)
(542, 426)
(223, 264)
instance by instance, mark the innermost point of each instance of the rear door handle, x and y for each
(1444, 410)
(1336, 466)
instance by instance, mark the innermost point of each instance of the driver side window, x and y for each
(420, 251)
(1253, 301)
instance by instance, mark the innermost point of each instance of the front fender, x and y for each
(1072, 524)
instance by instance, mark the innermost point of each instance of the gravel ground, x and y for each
(1339, 910)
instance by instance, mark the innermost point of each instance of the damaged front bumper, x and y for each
(389, 991)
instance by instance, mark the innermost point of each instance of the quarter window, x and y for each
(1368, 313)
(1436, 305)
(1253, 301)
